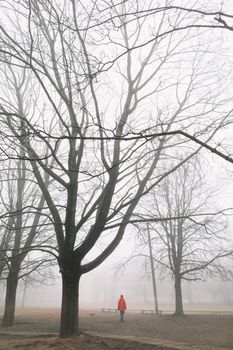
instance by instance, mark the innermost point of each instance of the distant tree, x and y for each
(152, 270)
(186, 242)
(107, 109)
(23, 228)
(5, 240)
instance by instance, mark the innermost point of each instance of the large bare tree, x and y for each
(106, 108)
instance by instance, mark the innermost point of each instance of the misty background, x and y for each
(68, 168)
(101, 287)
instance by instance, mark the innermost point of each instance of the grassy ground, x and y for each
(37, 329)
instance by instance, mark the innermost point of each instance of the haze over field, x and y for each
(116, 162)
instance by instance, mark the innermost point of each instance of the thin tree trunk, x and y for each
(178, 295)
(70, 306)
(153, 273)
(10, 300)
(24, 293)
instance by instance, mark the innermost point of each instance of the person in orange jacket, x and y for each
(122, 307)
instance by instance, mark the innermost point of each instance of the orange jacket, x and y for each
(121, 304)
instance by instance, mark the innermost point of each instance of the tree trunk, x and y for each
(24, 293)
(10, 300)
(178, 295)
(70, 305)
(153, 272)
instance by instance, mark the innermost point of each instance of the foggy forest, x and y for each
(116, 172)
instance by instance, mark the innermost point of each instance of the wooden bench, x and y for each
(143, 311)
(150, 311)
(108, 309)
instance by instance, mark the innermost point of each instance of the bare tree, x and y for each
(6, 235)
(80, 114)
(152, 269)
(187, 246)
(26, 221)
(23, 228)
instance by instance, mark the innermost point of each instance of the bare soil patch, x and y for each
(37, 329)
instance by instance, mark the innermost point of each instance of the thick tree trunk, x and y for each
(178, 295)
(10, 300)
(70, 306)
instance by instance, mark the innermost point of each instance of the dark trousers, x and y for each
(122, 313)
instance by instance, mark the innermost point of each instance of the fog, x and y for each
(101, 289)
(76, 190)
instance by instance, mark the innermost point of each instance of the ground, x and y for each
(37, 330)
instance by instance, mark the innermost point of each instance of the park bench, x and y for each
(150, 311)
(108, 309)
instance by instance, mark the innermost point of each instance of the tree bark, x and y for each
(178, 295)
(70, 305)
(10, 300)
